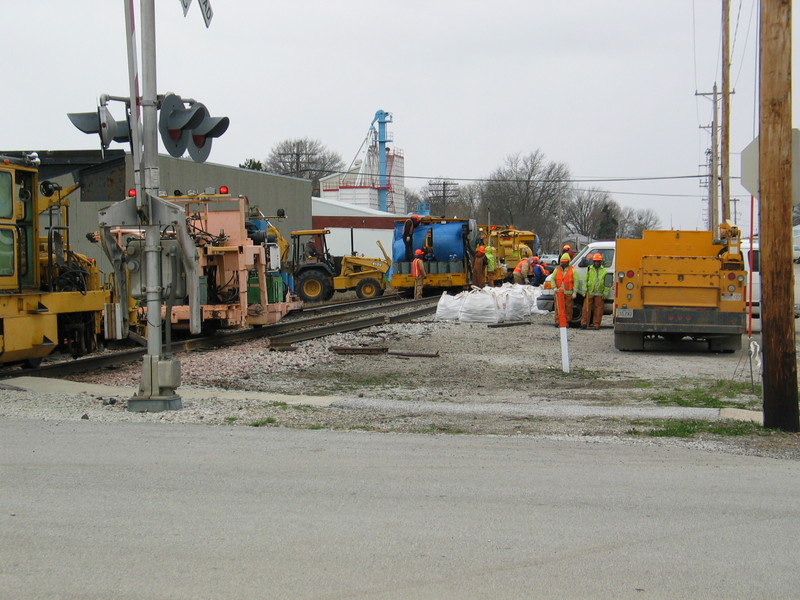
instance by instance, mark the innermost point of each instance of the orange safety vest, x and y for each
(416, 267)
(565, 280)
(518, 268)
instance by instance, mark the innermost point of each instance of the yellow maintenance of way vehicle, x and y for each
(510, 245)
(50, 296)
(676, 284)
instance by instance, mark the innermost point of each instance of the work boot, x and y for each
(583, 325)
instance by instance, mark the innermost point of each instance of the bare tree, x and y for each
(583, 212)
(413, 200)
(529, 193)
(304, 158)
(634, 221)
(470, 203)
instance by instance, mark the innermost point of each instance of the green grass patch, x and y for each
(574, 373)
(709, 394)
(287, 406)
(231, 419)
(347, 382)
(690, 428)
(263, 422)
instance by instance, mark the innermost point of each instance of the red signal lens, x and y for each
(223, 189)
(131, 193)
(629, 273)
(731, 276)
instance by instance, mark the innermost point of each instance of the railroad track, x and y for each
(331, 319)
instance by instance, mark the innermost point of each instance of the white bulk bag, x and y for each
(449, 307)
(480, 306)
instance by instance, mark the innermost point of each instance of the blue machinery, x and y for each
(382, 118)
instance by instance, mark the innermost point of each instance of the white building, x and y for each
(361, 184)
(354, 229)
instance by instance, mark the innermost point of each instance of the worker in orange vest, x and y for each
(521, 271)
(419, 273)
(479, 267)
(565, 278)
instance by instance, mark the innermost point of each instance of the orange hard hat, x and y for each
(481, 248)
(567, 247)
(597, 256)
(534, 259)
(419, 252)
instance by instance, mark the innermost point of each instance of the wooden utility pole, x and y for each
(775, 175)
(725, 142)
(713, 179)
(713, 209)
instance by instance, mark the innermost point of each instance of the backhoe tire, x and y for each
(368, 288)
(313, 286)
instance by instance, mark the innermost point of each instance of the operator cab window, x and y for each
(6, 196)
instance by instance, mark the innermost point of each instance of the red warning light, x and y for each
(131, 193)
(223, 189)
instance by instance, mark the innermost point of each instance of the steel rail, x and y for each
(325, 330)
(310, 328)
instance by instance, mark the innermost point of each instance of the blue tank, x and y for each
(448, 239)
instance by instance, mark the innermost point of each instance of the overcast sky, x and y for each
(606, 87)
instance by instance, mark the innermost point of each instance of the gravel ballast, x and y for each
(485, 381)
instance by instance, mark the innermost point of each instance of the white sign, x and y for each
(205, 8)
(750, 177)
(186, 4)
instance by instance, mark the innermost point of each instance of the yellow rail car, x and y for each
(50, 297)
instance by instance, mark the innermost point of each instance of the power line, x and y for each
(576, 179)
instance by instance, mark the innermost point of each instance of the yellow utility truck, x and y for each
(676, 284)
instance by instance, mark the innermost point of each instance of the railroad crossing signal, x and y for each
(102, 122)
(188, 127)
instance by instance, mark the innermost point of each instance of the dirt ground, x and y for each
(482, 380)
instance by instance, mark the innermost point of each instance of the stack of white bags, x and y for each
(511, 302)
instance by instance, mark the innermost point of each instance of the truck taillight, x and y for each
(731, 276)
(629, 273)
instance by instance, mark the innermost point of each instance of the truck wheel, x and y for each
(725, 343)
(368, 288)
(577, 314)
(313, 286)
(628, 341)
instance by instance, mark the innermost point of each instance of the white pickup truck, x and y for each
(581, 261)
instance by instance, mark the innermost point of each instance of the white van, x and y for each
(755, 276)
(581, 262)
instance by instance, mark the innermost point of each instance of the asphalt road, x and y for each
(93, 510)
